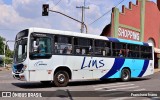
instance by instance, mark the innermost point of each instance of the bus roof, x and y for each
(52, 31)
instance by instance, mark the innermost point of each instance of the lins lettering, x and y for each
(90, 62)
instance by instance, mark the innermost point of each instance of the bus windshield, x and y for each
(20, 50)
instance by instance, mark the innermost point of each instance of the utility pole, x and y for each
(83, 11)
(4, 50)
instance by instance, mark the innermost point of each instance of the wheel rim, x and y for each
(125, 75)
(61, 78)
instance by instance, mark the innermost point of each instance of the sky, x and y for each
(16, 15)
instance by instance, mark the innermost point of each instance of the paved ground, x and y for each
(92, 90)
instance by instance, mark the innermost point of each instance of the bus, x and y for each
(53, 56)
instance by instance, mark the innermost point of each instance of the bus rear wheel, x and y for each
(61, 78)
(125, 75)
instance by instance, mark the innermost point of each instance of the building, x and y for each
(139, 22)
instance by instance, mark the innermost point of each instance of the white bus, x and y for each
(53, 56)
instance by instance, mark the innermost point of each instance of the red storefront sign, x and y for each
(128, 34)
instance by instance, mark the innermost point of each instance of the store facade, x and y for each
(139, 22)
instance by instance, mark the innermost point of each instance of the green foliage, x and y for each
(1, 45)
(7, 60)
(9, 53)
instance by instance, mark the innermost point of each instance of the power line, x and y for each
(105, 13)
(57, 3)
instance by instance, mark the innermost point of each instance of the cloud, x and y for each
(22, 14)
(1, 1)
(9, 17)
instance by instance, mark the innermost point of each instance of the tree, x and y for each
(1, 45)
(9, 53)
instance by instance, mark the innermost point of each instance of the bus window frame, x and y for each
(41, 35)
(93, 46)
(68, 36)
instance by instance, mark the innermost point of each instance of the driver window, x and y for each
(40, 47)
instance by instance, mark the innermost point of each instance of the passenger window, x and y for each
(102, 48)
(133, 51)
(146, 52)
(83, 46)
(119, 49)
(63, 45)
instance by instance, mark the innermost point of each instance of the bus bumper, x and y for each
(19, 76)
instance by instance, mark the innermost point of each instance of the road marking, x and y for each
(156, 98)
(147, 99)
(122, 98)
(114, 86)
(109, 84)
(139, 90)
(122, 88)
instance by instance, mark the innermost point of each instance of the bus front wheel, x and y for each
(61, 78)
(125, 75)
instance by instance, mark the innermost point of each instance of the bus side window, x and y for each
(146, 52)
(82, 46)
(63, 44)
(102, 48)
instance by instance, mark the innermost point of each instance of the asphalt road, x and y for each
(86, 90)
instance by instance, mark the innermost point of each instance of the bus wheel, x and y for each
(125, 75)
(61, 78)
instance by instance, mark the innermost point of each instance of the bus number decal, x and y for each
(92, 63)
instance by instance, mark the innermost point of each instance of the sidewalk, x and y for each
(156, 70)
(5, 69)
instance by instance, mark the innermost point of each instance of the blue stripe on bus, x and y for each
(118, 63)
(130, 41)
(145, 44)
(113, 39)
(145, 66)
(127, 41)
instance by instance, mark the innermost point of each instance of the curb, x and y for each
(156, 70)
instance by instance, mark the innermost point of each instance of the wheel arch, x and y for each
(126, 68)
(63, 68)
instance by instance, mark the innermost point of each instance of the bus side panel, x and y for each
(116, 66)
(104, 65)
(91, 67)
(149, 69)
(39, 69)
(137, 66)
